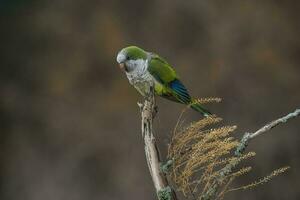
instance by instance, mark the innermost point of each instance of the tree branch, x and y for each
(275, 123)
(148, 111)
(211, 193)
(248, 136)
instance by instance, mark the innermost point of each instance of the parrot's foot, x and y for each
(155, 109)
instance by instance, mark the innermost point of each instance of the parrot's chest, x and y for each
(141, 79)
(142, 83)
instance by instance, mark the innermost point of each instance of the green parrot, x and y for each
(142, 67)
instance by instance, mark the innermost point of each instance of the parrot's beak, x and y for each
(122, 66)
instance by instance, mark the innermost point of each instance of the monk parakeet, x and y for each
(142, 67)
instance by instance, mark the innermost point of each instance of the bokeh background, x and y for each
(70, 126)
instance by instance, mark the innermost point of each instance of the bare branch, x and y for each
(148, 111)
(248, 136)
(275, 123)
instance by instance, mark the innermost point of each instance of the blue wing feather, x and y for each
(180, 91)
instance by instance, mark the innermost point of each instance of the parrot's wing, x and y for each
(166, 75)
(161, 70)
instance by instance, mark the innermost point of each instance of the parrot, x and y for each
(142, 67)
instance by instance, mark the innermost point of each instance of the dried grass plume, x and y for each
(200, 152)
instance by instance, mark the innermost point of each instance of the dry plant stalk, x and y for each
(218, 180)
(208, 100)
(204, 158)
(262, 180)
(199, 154)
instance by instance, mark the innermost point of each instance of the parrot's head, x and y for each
(131, 58)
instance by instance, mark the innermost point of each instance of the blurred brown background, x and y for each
(70, 126)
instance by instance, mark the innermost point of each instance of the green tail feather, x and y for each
(199, 108)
